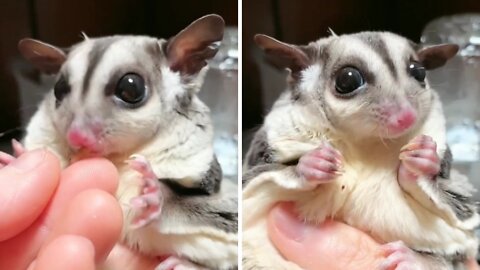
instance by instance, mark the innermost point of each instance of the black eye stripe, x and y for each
(61, 89)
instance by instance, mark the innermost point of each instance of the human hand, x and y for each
(53, 219)
(331, 245)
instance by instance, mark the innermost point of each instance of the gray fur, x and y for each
(259, 151)
(212, 178)
(454, 262)
(462, 205)
(212, 211)
(446, 164)
(184, 101)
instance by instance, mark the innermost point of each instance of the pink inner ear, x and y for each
(436, 56)
(188, 51)
(281, 54)
(44, 56)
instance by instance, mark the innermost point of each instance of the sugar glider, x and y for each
(359, 137)
(134, 99)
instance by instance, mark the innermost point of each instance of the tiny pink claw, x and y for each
(18, 148)
(5, 158)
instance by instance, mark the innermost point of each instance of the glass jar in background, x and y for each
(458, 84)
(219, 92)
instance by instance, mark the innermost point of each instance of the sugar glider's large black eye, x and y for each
(417, 71)
(131, 89)
(348, 80)
(61, 89)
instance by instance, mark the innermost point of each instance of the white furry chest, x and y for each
(372, 200)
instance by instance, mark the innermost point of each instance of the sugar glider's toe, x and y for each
(18, 148)
(140, 164)
(419, 158)
(5, 159)
(177, 263)
(399, 257)
(322, 164)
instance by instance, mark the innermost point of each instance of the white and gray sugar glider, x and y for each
(359, 137)
(134, 99)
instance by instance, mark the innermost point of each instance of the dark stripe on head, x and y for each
(94, 57)
(153, 50)
(378, 45)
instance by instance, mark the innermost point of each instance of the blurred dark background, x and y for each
(302, 21)
(61, 23)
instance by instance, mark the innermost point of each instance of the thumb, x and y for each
(331, 245)
(26, 186)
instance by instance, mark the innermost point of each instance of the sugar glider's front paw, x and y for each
(6, 158)
(320, 165)
(149, 203)
(419, 158)
(177, 263)
(399, 257)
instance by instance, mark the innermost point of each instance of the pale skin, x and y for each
(334, 245)
(63, 231)
(62, 219)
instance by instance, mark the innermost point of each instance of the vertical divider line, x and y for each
(239, 130)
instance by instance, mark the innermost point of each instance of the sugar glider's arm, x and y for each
(445, 191)
(297, 166)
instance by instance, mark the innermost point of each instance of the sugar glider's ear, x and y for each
(43, 56)
(281, 54)
(437, 55)
(189, 50)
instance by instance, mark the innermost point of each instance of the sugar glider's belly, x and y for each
(375, 203)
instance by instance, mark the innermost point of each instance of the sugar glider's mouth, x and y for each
(85, 142)
(84, 153)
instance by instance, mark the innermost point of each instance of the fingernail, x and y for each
(28, 161)
(288, 223)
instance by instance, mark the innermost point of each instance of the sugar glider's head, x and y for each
(369, 84)
(115, 93)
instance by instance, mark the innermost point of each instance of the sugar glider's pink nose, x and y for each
(402, 120)
(86, 138)
(406, 119)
